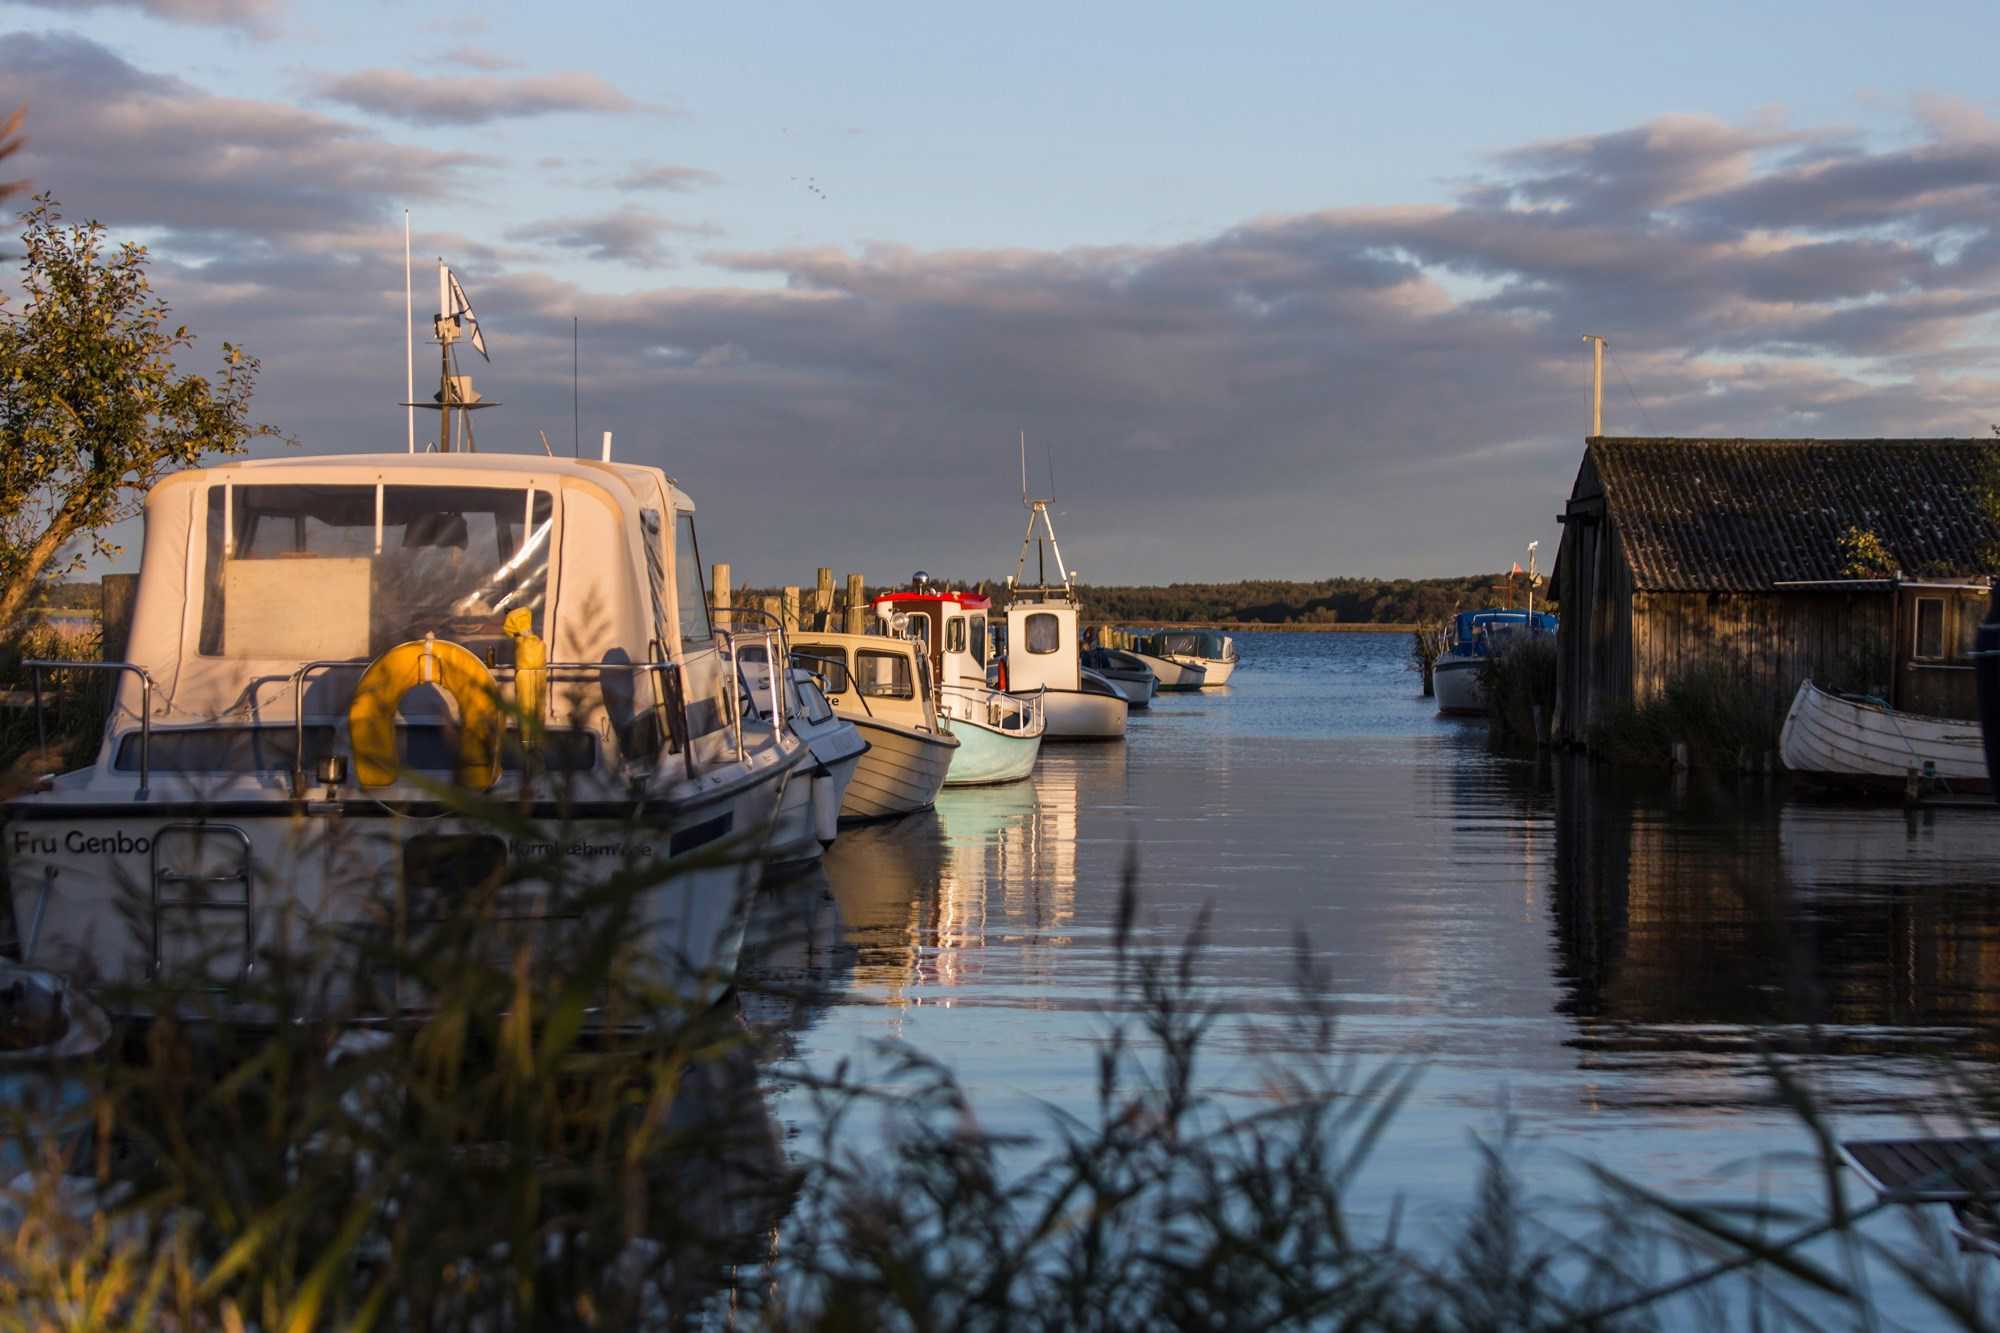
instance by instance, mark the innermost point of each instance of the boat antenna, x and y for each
(409, 338)
(1038, 510)
(1024, 470)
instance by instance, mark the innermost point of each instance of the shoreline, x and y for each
(1240, 626)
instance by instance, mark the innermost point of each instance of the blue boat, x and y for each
(1476, 636)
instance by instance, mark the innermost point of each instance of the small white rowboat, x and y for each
(1857, 743)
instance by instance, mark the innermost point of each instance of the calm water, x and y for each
(1600, 961)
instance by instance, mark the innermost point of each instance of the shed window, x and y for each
(883, 675)
(1930, 629)
(1044, 633)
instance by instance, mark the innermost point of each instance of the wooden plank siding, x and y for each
(1768, 641)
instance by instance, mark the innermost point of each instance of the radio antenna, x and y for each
(1024, 467)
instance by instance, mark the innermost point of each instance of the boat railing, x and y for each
(773, 642)
(36, 665)
(670, 698)
(965, 701)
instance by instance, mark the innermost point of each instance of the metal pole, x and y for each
(1597, 346)
(575, 392)
(409, 337)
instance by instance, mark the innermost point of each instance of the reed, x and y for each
(1519, 680)
(558, 1141)
(75, 704)
(1709, 709)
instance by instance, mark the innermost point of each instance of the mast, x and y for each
(1038, 510)
(409, 339)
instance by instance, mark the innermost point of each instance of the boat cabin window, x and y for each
(309, 572)
(917, 625)
(979, 639)
(691, 592)
(1930, 629)
(1044, 632)
(883, 675)
(826, 661)
(954, 635)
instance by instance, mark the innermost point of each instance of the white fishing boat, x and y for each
(1860, 742)
(1212, 655)
(999, 735)
(1040, 649)
(1124, 673)
(809, 819)
(1170, 675)
(884, 687)
(331, 657)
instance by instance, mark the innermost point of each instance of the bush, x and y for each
(1518, 680)
(1709, 708)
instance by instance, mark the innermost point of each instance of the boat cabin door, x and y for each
(962, 651)
(1041, 647)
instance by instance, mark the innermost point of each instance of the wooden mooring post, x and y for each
(822, 607)
(791, 611)
(718, 584)
(857, 610)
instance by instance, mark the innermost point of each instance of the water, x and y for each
(1602, 960)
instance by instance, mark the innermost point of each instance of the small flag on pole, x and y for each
(459, 312)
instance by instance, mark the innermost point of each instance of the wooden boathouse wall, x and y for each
(1689, 555)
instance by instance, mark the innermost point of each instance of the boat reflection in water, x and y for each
(1697, 926)
(920, 899)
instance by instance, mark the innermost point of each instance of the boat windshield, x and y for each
(312, 572)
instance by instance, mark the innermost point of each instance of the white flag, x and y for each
(460, 313)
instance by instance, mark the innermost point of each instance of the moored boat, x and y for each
(1040, 649)
(1476, 636)
(1211, 654)
(1851, 741)
(884, 687)
(1171, 676)
(999, 735)
(1124, 673)
(808, 820)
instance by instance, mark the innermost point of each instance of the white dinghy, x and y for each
(1863, 743)
(323, 647)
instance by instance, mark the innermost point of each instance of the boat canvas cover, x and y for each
(251, 569)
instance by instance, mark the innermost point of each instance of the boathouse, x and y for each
(1860, 564)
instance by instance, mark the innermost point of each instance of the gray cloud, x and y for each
(149, 150)
(632, 236)
(1386, 389)
(478, 57)
(259, 18)
(677, 179)
(473, 99)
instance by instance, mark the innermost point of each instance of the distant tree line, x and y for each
(1345, 601)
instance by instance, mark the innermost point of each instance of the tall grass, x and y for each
(75, 704)
(559, 1140)
(1519, 679)
(1710, 709)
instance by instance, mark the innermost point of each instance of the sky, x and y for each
(1279, 291)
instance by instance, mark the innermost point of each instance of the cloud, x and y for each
(1295, 395)
(677, 179)
(473, 99)
(478, 57)
(149, 150)
(632, 236)
(259, 18)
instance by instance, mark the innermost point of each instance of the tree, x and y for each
(93, 408)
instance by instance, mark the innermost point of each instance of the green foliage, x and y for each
(1708, 707)
(1863, 556)
(93, 407)
(1518, 680)
(1346, 601)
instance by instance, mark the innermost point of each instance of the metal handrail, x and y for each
(35, 666)
(1025, 706)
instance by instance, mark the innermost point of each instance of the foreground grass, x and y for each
(559, 1140)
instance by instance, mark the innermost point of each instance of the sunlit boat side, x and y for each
(1856, 742)
(999, 735)
(884, 687)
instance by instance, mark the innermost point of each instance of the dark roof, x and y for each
(1743, 515)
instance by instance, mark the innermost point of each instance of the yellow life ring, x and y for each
(371, 718)
(531, 666)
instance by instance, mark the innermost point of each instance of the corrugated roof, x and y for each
(1743, 515)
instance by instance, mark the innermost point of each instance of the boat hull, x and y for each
(902, 771)
(116, 895)
(1135, 687)
(1846, 743)
(1456, 681)
(1172, 675)
(988, 755)
(1214, 671)
(1084, 715)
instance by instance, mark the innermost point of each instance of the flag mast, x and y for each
(409, 338)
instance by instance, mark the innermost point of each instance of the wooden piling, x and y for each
(116, 595)
(774, 610)
(857, 611)
(822, 608)
(718, 582)
(791, 607)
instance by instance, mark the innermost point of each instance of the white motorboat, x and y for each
(1040, 649)
(1850, 741)
(1211, 654)
(1171, 676)
(1124, 673)
(324, 649)
(999, 735)
(1476, 636)
(809, 819)
(884, 687)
